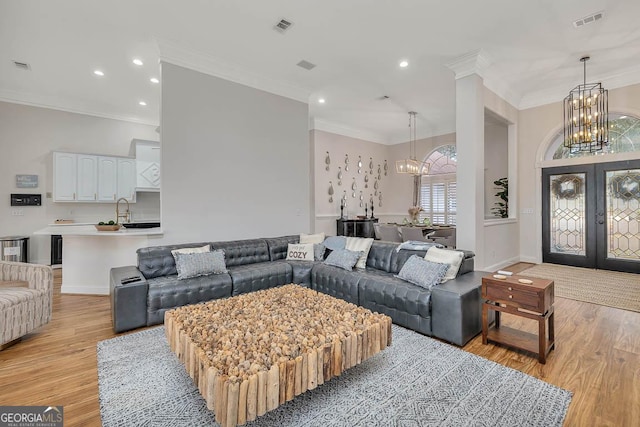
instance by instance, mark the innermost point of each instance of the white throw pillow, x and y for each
(199, 250)
(312, 238)
(300, 252)
(446, 256)
(360, 244)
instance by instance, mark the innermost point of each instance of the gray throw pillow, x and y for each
(343, 258)
(318, 251)
(335, 242)
(421, 272)
(200, 264)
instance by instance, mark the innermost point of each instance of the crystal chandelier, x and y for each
(411, 165)
(586, 116)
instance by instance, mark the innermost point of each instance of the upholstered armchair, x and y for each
(24, 306)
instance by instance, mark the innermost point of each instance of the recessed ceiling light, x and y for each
(144, 104)
(321, 100)
(98, 73)
(137, 61)
(154, 80)
(404, 64)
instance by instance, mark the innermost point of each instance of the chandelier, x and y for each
(586, 116)
(411, 165)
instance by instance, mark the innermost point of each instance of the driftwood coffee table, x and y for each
(251, 353)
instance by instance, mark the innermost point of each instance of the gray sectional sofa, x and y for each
(451, 311)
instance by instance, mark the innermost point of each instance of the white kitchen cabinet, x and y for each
(87, 181)
(65, 177)
(127, 179)
(107, 179)
(147, 165)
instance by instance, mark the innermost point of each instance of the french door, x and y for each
(591, 215)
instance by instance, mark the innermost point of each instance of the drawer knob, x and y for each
(510, 288)
(510, 296)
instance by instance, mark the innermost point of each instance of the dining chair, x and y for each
(412, 233)
(389, 233)
(444, 236)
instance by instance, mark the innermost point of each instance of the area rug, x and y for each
(418, 381)
(610, 288)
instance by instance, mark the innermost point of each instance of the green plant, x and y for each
(501, 210)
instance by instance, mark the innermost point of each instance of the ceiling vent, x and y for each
(589, 19)
(384, 97)
(282, 26)
(22, 65)
(306, 65)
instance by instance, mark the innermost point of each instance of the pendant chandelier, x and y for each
(586, 116)
(411, 165)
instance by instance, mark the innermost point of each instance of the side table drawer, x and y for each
(514, 296)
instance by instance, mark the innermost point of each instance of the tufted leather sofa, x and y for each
(451, 311)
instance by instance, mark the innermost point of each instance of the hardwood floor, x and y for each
(597, 357)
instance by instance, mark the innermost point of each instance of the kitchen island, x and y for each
(88, 254)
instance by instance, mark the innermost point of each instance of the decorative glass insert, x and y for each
(623, 214)
(624, 137)
(567, 211)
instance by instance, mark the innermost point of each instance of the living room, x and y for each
(244, 147)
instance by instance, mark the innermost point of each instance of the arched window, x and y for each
(624, 137)
(438, 188)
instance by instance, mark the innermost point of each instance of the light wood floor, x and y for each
(597, 357)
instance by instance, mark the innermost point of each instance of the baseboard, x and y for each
(84, 290)
(500, 265)
(530, 259)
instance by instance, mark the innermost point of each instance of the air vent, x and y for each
(589, 19)
(22, 65)
(283, 26)
(384, 97)
(306, 65)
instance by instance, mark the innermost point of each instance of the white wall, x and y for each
(28, 135)
(235, 160)
(537, 127)
(496, 163)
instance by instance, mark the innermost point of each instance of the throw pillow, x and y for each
(205, 248)
(312, 238)
(318, 251)
(343, 258)
(335, 242)
(425, 274)
(446, 256)
(200, 264)
(360, 244)
(300, 252)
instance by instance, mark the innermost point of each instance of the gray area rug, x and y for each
(418, 381)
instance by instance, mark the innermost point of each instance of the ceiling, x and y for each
(532, 46)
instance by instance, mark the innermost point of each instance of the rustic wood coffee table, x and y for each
(251, 353)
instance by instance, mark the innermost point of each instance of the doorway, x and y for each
(591, 215)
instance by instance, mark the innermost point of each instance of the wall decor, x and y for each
(330, 192)
(375, 186)
(327, 161)
(361, 199)
(339, 175)
(344, 198)
(380, 199)
(346, 162)
(26, 181)
(379, 173)
(386, 167)
(366, 181)
(370, 165)
(359, 164)
(354, 187)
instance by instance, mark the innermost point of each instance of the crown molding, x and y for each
(626, 77)
(474, 62)
(344, 130)
(66, 105)
(202, 62)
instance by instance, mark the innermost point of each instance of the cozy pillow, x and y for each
(425, 274)
(300, 252)
(312, 238)
(318, 251)
(360, 244)
(200, 264)
(343, 258)
(205, 248)
(335, 242)
(446, 256)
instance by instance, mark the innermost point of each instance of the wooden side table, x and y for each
(532, 301)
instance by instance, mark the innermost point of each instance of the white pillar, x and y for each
(470, 152)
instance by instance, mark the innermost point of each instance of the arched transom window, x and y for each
(438, 188)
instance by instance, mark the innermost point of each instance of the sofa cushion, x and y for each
(335, 281)
(312, 238)
(168, 292)
(199, 264)
(343, 258)
(335, 242)
(205, 248)
(301, 252)
(242, 252)
(446, 256)
(157, 261)
(360, 244)
(262, 275)
(423, 273)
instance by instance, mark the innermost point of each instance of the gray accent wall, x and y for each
(235, 160)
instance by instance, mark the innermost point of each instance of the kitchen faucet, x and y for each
(126, 215)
